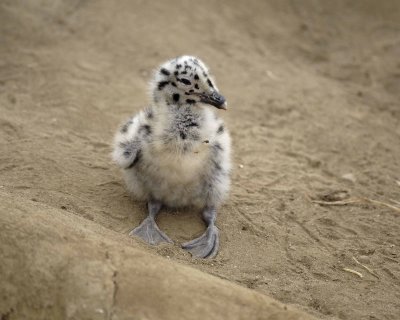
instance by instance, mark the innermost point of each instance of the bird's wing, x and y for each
(128, 142)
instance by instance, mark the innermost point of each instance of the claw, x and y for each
(205, 246)
(150, 232)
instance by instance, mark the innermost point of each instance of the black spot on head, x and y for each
(190, 101)
(178, 66)
(126, 126)
(188, 67)
(165, 71)
(220, 129)
(145, 129)
(176, 97)
(185, 81)
(193, 124)
(174, 84)
(176, 72)
(162, 84)
(196, 77)
(184, 72)
(183, 135)
(204, 74)
(149, 114)
(210, 83)
(196, 86)
(191, 90)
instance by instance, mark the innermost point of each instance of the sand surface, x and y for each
(313, 90)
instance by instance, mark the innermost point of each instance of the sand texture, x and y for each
(313, 89)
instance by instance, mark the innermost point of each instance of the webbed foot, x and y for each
(205, 246)
(150, 232)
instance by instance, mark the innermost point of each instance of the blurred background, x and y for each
(313, 90)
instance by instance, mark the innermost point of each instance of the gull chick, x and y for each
(176, 153)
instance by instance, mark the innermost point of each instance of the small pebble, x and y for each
(349, 177)
(241, 166)
(364, 259)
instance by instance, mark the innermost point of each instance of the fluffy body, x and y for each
(176, 153)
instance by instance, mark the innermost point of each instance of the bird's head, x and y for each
(186, 80)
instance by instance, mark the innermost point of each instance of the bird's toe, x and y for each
(205, 246)
(150, 232)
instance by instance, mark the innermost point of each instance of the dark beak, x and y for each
(215, 99)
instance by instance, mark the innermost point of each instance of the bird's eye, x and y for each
(185, 81)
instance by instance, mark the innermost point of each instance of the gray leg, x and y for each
(148, 229)
(205, 246)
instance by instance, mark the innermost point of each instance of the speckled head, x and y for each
(186, 80)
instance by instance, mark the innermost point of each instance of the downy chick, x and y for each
(176, 153)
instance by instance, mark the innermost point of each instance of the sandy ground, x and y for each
(313, 90)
